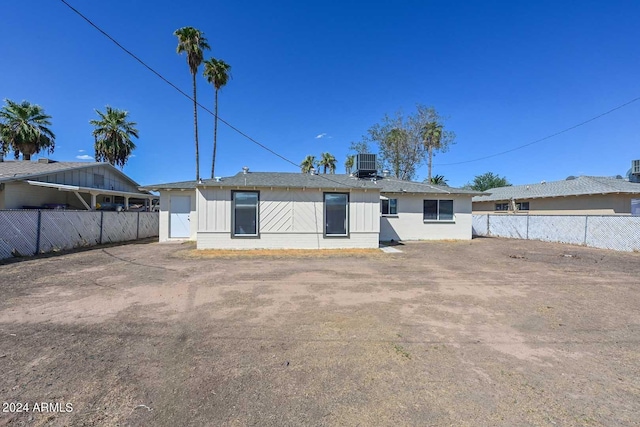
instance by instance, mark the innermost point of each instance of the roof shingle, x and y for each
(582, 185)
(301, 180)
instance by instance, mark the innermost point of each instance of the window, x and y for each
(336, 214)
(389, 206)
(522, 206)
(502, 206)
(245, 213)
(437, 210)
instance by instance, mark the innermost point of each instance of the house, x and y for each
(254, 210)
(51, 184)
(582, 195)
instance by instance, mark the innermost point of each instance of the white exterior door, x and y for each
(179, 212)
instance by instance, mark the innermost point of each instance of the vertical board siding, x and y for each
(295, 211)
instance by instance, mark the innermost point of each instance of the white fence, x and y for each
(621, 233)
(30, 232)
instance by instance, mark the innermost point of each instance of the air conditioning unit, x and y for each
(366, 165)
(635, 167)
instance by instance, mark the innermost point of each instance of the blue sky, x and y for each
(504, 72)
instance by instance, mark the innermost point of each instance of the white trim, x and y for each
(90, 190)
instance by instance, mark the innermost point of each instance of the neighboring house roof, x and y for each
(580, 186)
(22, 169)
(302, 180)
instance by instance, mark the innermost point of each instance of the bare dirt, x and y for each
(488, 332)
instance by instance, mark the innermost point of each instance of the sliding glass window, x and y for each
(245, 213)
(336, 214)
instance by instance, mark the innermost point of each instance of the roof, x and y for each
(19, 170)
(580, 186)
(302, 180)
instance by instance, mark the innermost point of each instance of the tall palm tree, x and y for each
(112, 135)
(432, 138)
(327, 161)
(24, 128)
(348, 163)
(308, 163)
(438, 180)
(192, 42)
(218, 73)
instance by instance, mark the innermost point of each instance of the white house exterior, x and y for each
(260, 210)
(70, 185)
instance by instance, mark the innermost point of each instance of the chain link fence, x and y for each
(621, 233)
(30, 232)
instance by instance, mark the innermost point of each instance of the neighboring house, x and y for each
(294, 210)
(67, 185)
(574, 196)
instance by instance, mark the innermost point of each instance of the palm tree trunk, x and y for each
(215, 137)
(430, 149)
(195, 127)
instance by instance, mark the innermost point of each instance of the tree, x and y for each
(308, 163)
(327, 161)
(24, 129)
(437, 180)
(405, 142)
(218, 73)
(487, 181)
(348, 163)
(399, 147)
(112, 136)
(431, 129)
(192, 42)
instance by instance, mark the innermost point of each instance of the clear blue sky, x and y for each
(505, 72)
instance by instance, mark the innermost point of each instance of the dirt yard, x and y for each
(484, 333)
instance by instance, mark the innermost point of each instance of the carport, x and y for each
(94, 192)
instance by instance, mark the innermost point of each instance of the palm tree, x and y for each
(217, 73)
(192, 42)
(348, 163)
(308, 163)
(438, 180)
(432, 138)
(327, 161)
(112, 135)
(24, 128)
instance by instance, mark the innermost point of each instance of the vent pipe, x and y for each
(312, 171)
(245, 170)
(385, 173)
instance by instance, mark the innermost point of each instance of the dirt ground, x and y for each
(488, 332)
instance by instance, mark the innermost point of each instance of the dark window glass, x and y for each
(523, 206)
(446, 210)
(335, 214)
(389, 206)
(384, 206)
(430, 210)
(245, 213)
(393, 206)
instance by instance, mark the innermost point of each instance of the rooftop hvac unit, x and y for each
(366, 165)
(635, 167)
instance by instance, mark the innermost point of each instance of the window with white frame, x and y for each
(336, 214)
(437, 210)
(389, 206)
(245, 213)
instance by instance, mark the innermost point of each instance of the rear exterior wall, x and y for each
(288, 219)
